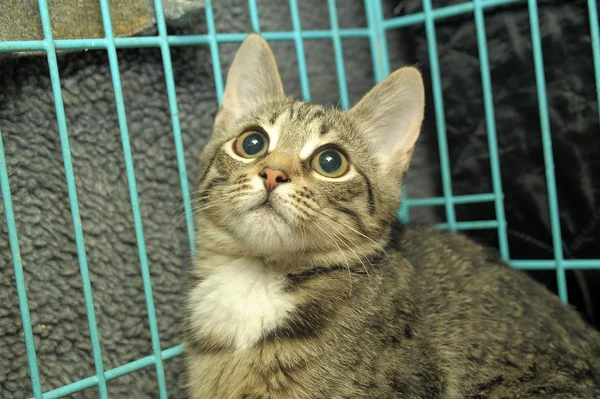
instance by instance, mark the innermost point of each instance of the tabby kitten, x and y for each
(303, 285)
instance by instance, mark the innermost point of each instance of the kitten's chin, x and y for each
(265, 230)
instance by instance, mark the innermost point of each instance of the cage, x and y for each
(377, 33)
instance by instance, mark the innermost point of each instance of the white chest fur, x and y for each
(239, 301)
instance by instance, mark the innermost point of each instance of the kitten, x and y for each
(304, 286)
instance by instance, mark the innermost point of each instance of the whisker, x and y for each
(180, 208)
(181, 218)
(225, 196)
(346, 225)
(341, 252)
(343, 240)
(225, 217)
(199, 208)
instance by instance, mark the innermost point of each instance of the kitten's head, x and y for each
(281, 176)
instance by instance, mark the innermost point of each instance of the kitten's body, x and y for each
(440, 317)
(302, 288)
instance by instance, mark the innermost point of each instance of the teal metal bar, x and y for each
(254, 16)
(70, 389)
(26, 45)
(300, 50)
(440, 119)
(214, 50)
(403, 213)
(540, 80)
(457, 199)
(478, 225)
(112, 374)
(378, 41)
(490, 120)
(183, 40)
(73, 201)
(175, 124)
(381, 69)
(595, 35)
(444, 12)
(186, 40)
(142, 363)
(339, 55)
(15, 252)
(570, 264)
(133, 194)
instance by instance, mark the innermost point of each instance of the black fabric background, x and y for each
(574, 126)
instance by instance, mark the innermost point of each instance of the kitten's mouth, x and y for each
(267, 207)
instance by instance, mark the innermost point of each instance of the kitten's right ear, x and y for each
(390, 116)
(253, 78)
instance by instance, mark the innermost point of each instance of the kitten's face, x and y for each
(293, 176)
(281, 177)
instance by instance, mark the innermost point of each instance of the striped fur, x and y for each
(321, 294)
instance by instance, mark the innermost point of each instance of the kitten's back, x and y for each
(504, 333)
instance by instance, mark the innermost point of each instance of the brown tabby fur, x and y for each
(379, 310)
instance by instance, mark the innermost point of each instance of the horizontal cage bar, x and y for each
(187, 40)
(112, 374)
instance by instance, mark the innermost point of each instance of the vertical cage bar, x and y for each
(175, 125)
(595, 34)
(381, 69)
(214, 50)
(254, 20)
(403, 212)
(73, 201)
(378, 41)
(15, 252)
(300, 49)
(339, 55)
(490, 120)
(438, 102)
(540, 80)
(133, 193)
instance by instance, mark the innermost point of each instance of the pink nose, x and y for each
(273, 177)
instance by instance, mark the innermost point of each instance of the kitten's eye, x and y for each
(330, 163)
(251, 144)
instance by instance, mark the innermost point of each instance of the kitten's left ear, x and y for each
(253, 78)
(390, 116)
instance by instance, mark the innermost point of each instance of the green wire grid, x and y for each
(376, 34)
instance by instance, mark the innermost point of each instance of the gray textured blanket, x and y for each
(30, 133)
